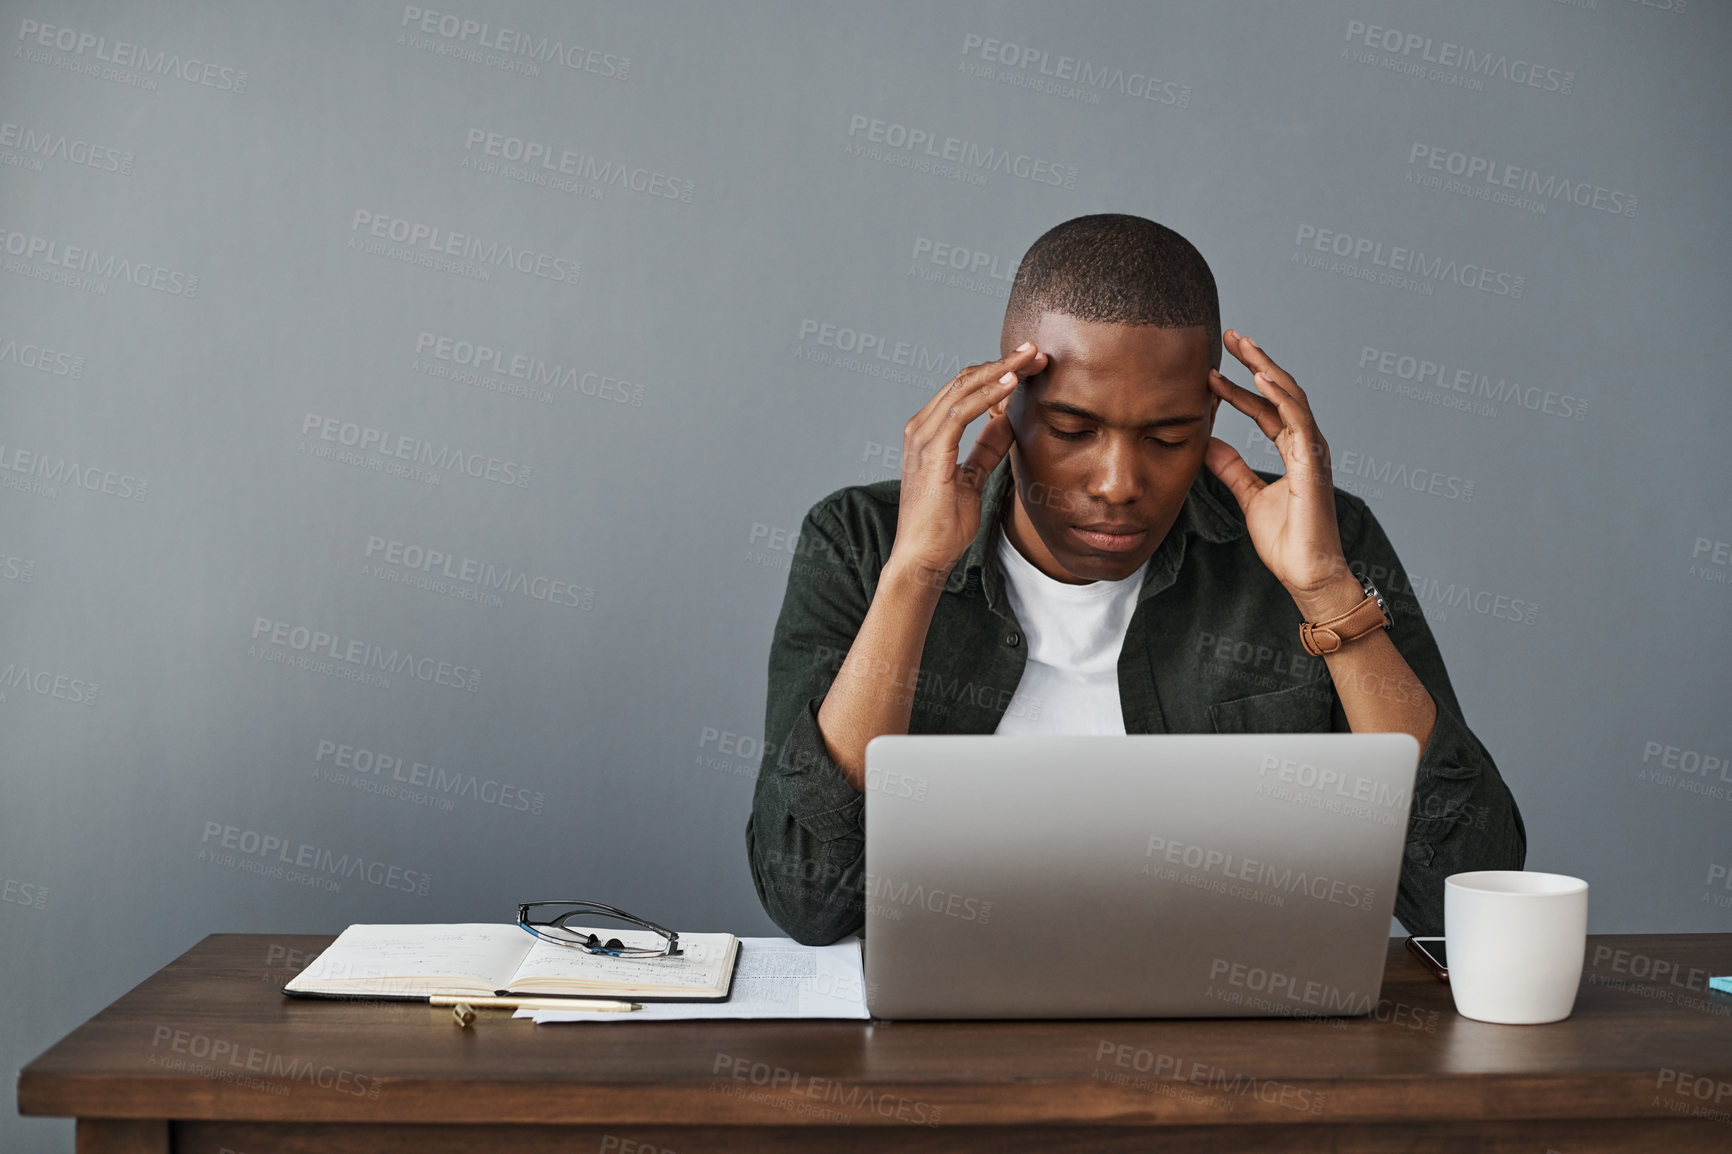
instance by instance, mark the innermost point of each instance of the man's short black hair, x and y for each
(1118, 269)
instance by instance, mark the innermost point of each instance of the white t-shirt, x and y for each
(1074, 635)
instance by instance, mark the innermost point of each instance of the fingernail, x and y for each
(1007, 379)
(1024, 346)
(1247, 340)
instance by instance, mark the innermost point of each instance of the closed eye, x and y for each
(1079, 435)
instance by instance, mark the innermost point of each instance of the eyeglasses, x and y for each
(549, 924)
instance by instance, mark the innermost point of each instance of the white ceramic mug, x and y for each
(1515, 942)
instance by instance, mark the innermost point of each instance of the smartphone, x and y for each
(1431, 955)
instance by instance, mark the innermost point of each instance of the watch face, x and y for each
(1382, 605)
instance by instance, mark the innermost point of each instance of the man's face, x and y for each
(1109, 436)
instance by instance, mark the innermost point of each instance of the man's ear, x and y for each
(1214, 403)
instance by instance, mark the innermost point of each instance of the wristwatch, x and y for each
(1368, 616)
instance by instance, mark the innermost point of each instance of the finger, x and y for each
(1252, 356)
(1304, 452)
(1303, 449)
(1225, 462)
(987, 378)
(1260, 409)
(1301, 444)
(989, 449)
(941, 427)
(1294, 414)
(975, 376)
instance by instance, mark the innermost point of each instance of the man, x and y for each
(1103, 582)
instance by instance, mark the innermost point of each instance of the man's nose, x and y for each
(1113, 475)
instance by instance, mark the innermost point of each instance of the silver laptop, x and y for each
(1132, 876)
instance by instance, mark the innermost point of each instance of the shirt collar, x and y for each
(1209, 512)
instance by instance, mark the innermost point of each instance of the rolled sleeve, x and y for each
(1463, 816)
(805, 838)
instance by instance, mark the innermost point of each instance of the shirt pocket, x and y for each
(1305, 708)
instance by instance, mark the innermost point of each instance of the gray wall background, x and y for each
(196, 315)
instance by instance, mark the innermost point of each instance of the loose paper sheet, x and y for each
(777, 978)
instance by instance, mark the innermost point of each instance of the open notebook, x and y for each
(416, 962)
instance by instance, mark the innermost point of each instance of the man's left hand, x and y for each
(1291, 519)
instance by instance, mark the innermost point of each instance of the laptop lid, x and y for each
(1140, 875)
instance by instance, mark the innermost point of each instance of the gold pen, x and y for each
(595, 1005)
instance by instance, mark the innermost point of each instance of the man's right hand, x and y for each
(939, 513)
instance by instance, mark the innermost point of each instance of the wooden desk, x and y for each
(207, 1055)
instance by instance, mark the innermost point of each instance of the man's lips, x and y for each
(1112, 537)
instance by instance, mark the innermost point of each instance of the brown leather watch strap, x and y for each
(1328, 636)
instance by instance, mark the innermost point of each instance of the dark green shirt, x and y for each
(1212, 647)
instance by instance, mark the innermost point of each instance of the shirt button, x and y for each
(1011, 638)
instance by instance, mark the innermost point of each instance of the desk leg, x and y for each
(122, 1136)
